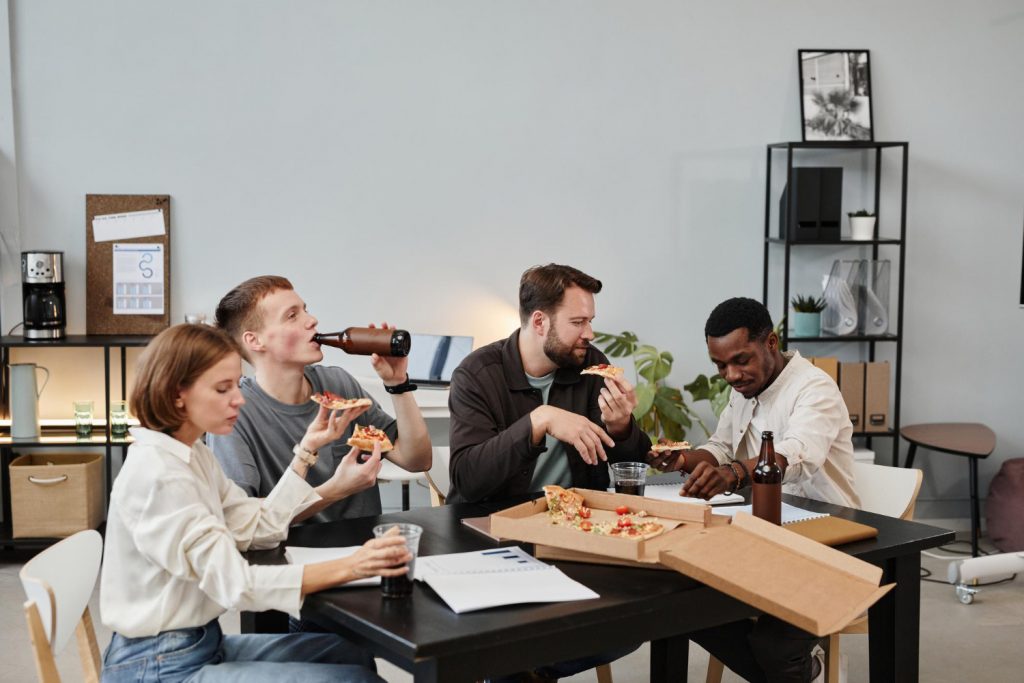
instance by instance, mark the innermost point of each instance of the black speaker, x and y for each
(818, 196)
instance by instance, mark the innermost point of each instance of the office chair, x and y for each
(59, 582)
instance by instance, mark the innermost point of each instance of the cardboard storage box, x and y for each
(56, 494)
(851, 384)
(814, 587)
(529, 522)
(876, 397)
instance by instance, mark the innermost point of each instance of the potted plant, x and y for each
(862, 225)
(807, 315)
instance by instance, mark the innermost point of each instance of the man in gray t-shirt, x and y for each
(270, 322)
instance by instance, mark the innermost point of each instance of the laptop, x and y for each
(434, 357)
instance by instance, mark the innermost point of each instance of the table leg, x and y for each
(405, 496)
(894, 623)
(911, 452)
(975, 507)
(670, 658)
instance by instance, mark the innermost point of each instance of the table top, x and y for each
(958, 438)
(633, 606)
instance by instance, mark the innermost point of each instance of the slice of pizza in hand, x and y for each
(331, 400)
(670, 446)
(363, 438)
(603, 370)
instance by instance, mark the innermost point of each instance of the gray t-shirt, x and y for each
(552, 466)
(257, 451)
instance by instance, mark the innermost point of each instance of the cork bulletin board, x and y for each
(100, 315)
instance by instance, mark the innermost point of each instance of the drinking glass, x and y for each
(629, 477)
(83, 418)
(400, 586)
(119, 419)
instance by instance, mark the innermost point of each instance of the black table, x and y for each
(423, 636)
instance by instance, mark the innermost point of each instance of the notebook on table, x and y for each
(817, 526)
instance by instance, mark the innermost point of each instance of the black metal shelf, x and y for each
(792, 150)
(847, 242)
(847, 338)
(56, 437)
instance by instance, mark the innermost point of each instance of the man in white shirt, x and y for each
(801, 404)
(771, 391)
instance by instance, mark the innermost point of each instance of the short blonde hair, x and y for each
(173, 361)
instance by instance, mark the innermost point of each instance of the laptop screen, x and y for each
(434, 357)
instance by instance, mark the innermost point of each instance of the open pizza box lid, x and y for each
(529, 522)
(800, 581)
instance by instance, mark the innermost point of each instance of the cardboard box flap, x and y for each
(781, 573)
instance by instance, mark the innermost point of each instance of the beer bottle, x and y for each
(363, 341)
(767, 478)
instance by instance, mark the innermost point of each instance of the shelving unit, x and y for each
(788, 246)
(59, 437)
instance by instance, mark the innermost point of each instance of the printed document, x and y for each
(296, 554)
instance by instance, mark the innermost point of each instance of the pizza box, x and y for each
(529, 522)
(777, 571)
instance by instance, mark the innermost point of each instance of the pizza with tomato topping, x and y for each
(566, 508)
(603, 370)
(565, 505)
(670, 446)
(331, 400)
(363, 438)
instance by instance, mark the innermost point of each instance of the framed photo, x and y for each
(835, 95)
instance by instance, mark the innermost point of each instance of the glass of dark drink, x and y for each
(629, 477)
(400, 586)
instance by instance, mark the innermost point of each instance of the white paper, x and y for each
(491, 578)
(126, 226)
(790, 513)
(670, 492)
(296, 554)
(138, 279)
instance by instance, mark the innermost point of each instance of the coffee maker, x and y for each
(42, 293)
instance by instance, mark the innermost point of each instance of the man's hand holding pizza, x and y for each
(351, 476)
(588, 438)
(617, 401)
(328, 426)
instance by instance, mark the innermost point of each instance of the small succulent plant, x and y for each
(808, 304)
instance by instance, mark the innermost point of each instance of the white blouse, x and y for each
(176, 529)
(807, 413)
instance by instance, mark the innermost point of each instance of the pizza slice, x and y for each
(331, 400)
(670, 446)
(603, 370)
(363, 438)
(564, 504)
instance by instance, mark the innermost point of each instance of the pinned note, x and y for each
(138, 279)
(129, 225)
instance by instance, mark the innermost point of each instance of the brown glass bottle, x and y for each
(363, 341)
(767, 478)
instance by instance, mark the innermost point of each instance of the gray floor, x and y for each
(958, 642)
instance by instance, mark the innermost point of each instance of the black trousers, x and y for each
(762, 650)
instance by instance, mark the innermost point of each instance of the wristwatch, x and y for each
(401, 388)
(306, 456)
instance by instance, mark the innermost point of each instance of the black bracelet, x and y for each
(739, 477)
(401, 388)
(746, 473)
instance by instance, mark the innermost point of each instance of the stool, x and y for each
(969, 439)
(389, 471)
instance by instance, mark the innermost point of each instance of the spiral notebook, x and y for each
(791, 514)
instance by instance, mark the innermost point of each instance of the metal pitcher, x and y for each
(25, 394)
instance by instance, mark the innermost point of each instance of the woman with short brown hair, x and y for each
(177, 526)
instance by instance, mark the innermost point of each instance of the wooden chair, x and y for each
(59, 582)
(438, 478)
(890, 491)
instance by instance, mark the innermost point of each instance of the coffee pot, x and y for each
(25, 394)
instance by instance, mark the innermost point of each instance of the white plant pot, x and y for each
(862, 227)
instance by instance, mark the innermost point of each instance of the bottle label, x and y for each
(767, 502)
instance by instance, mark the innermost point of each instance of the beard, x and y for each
(563, 355)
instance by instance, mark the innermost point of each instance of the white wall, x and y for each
(429, 152)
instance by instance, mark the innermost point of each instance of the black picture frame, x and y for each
(835, 95)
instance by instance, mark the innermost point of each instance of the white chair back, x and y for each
(438, 477)
(60, 581)
(890, 491)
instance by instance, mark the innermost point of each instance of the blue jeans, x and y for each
(203, 653)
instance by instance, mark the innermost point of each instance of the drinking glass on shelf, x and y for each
(83, 418)
(119, 419)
